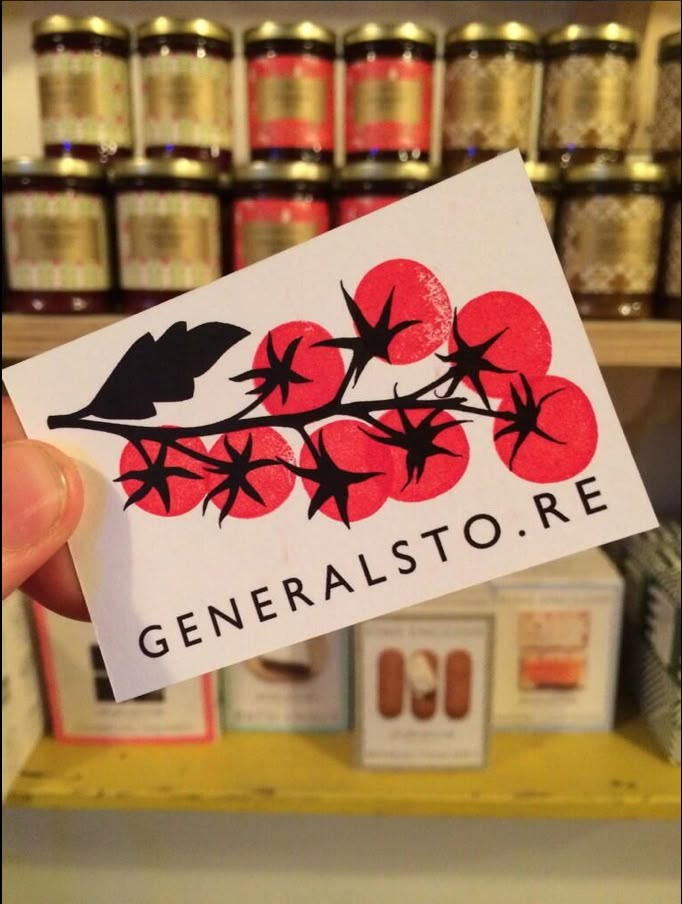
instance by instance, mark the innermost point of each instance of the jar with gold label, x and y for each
(546, 181)
(609, 236)
(167, 229)
(84, 87)
(290, 91)
(389, 90)
(55, 217)
(666, 125)
(276, 206)
(669, 306)
(369, 185)
(186, 67)
(587, 104)
(490, 74)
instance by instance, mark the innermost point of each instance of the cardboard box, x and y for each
(304, 687)
(81, 701)
(423, 692)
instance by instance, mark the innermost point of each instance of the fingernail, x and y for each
(33, 494)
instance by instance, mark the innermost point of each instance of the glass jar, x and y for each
(290, 88)
(84, 87)
(587, 108)
(489, 80)
(546, 181)
(609, 236)
(666, 126)
(389, 89)
(56, 222)
(225, 186)
(277, 206)
(369, 185)
(670, 289)
(167, 229)
(187, 89)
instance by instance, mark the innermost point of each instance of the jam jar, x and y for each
(389, 89)
(490, 73)
(167, 228)
(186, 67)
(84, 87)
(225, 185)
(369, 185)
(666, 126)
(546, 181)
(55, 217)
(670, 289)
(609, 236)
(587, 108)
(278, 205)
(290, 89)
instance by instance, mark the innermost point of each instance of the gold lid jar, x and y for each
(546, 181)
(666, 124)
(670, 300)
(369, 185)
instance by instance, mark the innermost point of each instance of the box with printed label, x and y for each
(422, 692)
(304, 687)
(81, 701)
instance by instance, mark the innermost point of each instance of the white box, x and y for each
(81, 700)
(22, 706)
(300, 688)
(423, 692)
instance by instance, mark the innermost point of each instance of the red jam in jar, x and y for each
(369, 185)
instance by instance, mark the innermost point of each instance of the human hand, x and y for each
(42, 500)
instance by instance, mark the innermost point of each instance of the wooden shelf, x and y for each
(652, 343)
(610, 776)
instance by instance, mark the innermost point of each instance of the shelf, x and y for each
(611, 776)
(653, 343)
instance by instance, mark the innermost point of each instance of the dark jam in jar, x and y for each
(489, 81)
(167, 229)
(587, 103)
(389, 90)
(56, 236)
(186, 67)
(84, 87)
(609, 237)
(369, 185)
(276, 206)
(290, 91)
(666, 127)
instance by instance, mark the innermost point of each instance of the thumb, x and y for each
(41, 505)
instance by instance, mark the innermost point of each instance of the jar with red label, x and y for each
(369, 185)
(186, 67)
(389, 89)
(290, 91)
(489, 80)
(55, 218)
(167, 229)
(276, 206)
(84, 87)
(666, 126)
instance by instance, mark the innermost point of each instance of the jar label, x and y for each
(673, 287)
(547, 205)
(266, 226)
(587, 102)
(56, 241)
(666, 129)
(488, 102)
(609, 243)
(167, 240)
(84, 99)
(291, 102)
(388, 105)
(356, 206)
(188, 100)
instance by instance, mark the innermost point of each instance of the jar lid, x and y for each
(542, 172)
(635, 171)
(52, 25)
(389, 171)
(267, 171)
(297, 31)
(483, 31)
(668, 42)
(203, 28)
(375, 31)
(611, 32)
(52, 166)
(162, 168)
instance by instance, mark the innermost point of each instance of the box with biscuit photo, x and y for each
(81, 700)
(422, 691)
(303, 687)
